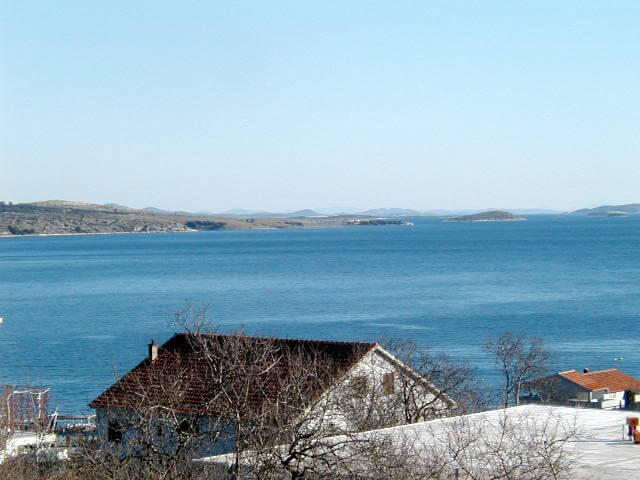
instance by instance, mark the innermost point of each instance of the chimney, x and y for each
(153, 350)
(585, 370)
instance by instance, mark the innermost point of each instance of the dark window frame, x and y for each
(188, 426)
(389, 383)
(114, 431)
(360, 385)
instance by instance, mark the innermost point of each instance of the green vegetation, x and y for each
(204, 225)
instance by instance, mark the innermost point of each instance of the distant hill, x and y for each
(155, 210)
(392, 212)
(60, 217)
(610, 210)
(114, 205)
(203, 212)
(305, 213)
(69, 204)
(535, 211)
(374, 212)
(241, 212)
(491, 216)
(158, 211)
(408, 212)
(65, 205)
(338, 210)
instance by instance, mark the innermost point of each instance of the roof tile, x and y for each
(197, 385)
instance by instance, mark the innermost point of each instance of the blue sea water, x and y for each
(80, 309)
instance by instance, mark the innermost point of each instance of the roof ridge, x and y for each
(592, 371)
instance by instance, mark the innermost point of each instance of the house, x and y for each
(606, 389)
(210, 385)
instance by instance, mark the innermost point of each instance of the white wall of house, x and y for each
(374, 370)
(604, 395)
(608, 400)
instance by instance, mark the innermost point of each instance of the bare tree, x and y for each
(440, 386)
(519, 359)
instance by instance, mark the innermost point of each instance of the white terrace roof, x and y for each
(602, 448)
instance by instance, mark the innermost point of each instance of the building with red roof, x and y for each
(610, 388)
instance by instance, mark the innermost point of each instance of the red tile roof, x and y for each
(612, 380)
(196, 386)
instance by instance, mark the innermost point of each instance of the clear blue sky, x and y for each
(287, 105)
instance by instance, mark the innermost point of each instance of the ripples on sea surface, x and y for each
(80, 309)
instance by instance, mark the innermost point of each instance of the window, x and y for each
(188, 426)
(360, 384)
(388, 383)
(114, 431)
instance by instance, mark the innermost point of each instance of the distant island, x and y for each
(610, 210)
(491, 216)
(59, 217)
(378, 221)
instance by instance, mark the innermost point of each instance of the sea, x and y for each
(79, 311)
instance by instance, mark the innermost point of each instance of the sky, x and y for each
(284, 105)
